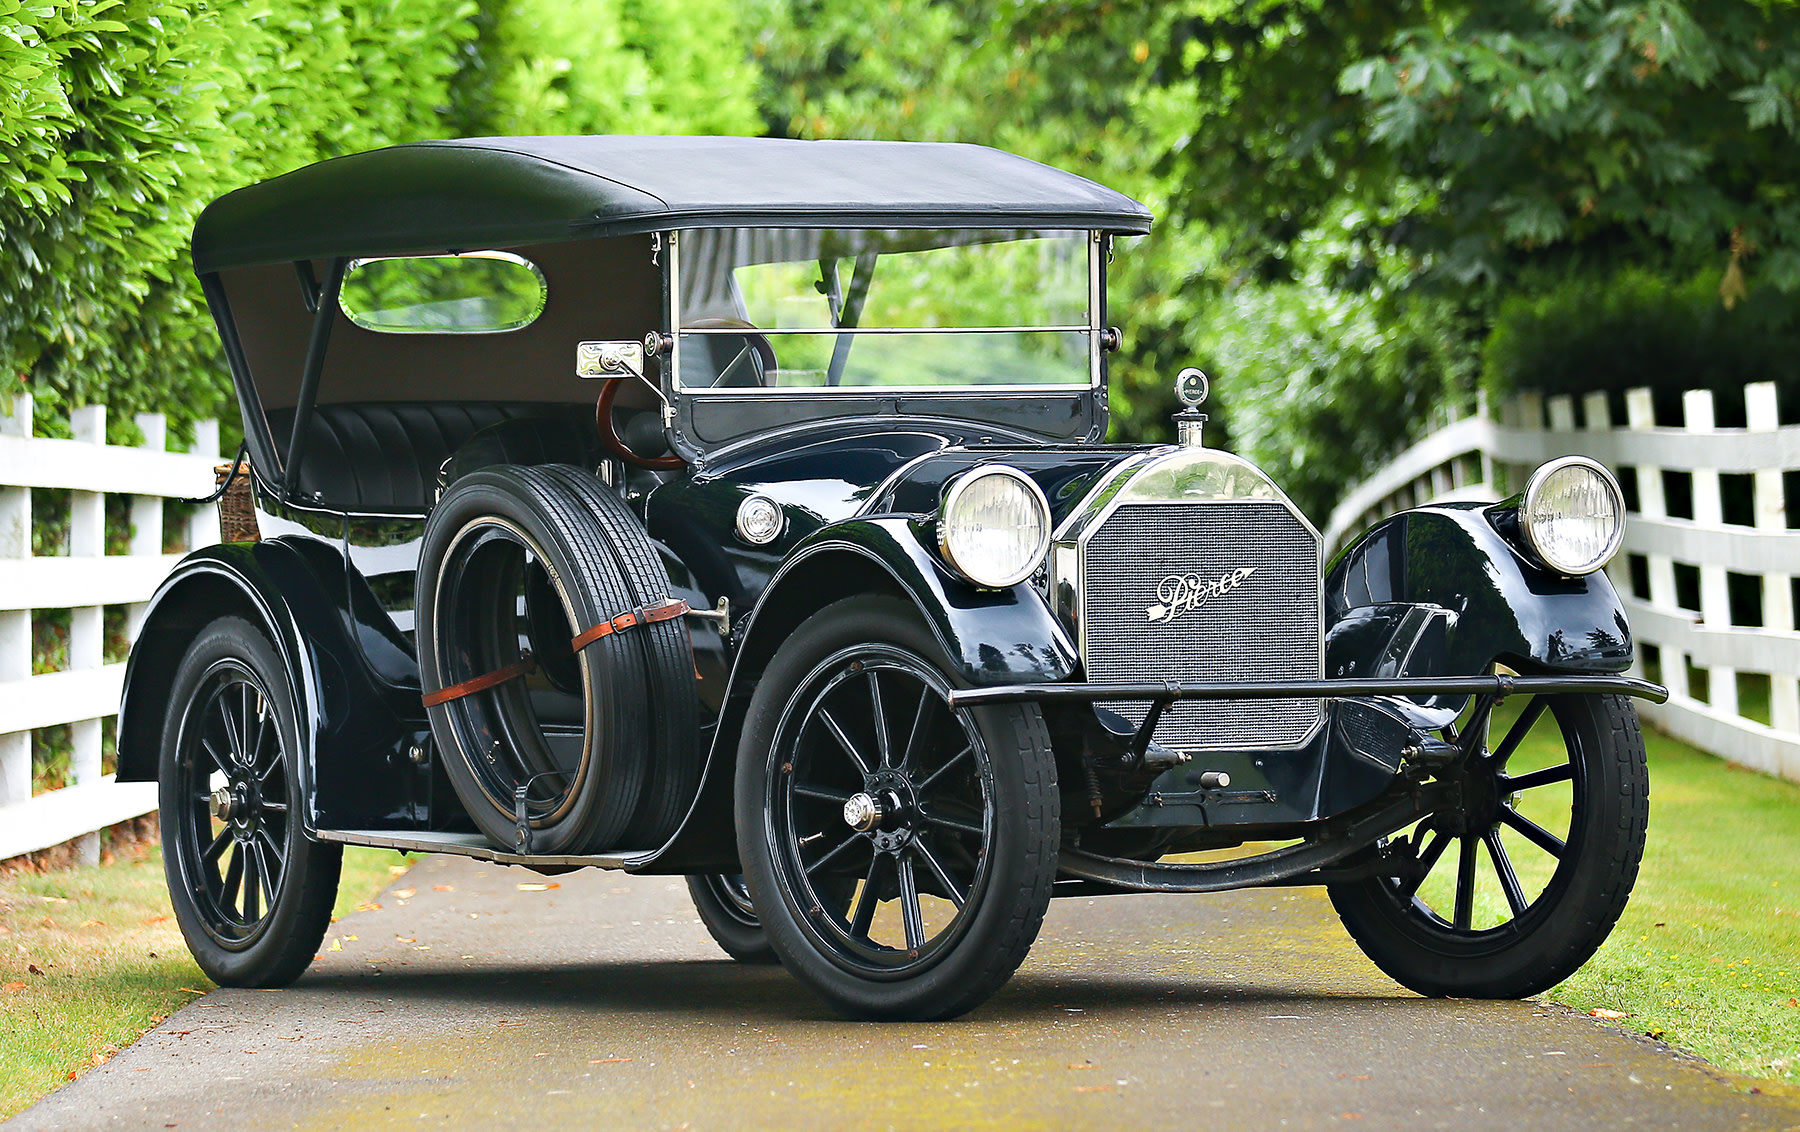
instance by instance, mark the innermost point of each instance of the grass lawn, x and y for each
(1707, 955)
(90, 958)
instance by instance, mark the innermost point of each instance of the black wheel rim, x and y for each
(232, 770)
(873, 723)
(498, 604)
(733, 896)
(1477, 875)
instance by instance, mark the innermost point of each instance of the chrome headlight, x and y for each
(995, 526)
(1573, 515)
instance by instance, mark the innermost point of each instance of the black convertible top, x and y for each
(495, 192)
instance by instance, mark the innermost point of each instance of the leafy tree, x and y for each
(121, 119)
(605, 66)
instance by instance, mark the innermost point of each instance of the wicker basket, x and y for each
(237, 514)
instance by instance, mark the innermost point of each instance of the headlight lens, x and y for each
(1573, 515)
(995, 526)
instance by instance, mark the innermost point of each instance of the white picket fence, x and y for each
(85, 582)
(1461, 461)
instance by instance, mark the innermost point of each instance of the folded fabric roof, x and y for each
(494, 192)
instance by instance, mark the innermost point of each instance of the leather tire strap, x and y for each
(525, 665)
(648, 615)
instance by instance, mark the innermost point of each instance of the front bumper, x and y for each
(1168, 691)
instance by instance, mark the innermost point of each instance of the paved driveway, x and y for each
(476, 997)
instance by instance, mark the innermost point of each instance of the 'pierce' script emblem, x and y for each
(1178, 593)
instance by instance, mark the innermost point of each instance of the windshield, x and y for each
(808, 308)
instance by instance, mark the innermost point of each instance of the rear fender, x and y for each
(355, 726)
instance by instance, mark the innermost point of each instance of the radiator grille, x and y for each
(1263, 627)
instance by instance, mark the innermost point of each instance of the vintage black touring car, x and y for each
(738, 508)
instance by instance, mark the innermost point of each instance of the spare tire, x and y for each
(516, 564)
(675, 754)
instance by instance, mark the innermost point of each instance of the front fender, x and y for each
(1006, 636)
(1439, 591)
(355, 720)
(992, 637)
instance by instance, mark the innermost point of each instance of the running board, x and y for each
(477, 846)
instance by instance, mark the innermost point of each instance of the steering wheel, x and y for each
(755, 342)
(609, 436)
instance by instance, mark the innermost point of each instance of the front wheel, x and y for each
(901, 854)
(1511, 888)
(251, 892)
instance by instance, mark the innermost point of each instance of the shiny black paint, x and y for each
(1487, 603)
(1437, 591)
(342, 653)
(831, 473)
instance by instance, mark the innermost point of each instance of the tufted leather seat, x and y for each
(386, 456)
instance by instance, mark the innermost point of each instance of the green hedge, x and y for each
(121, 119)
(1634, 329)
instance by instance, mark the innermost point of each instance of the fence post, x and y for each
(87, 539)
(1485, 412)
(1762, 412)
(1640, 414)
(15, 624)
(146, 515)
(203, 525)
(1709, 512)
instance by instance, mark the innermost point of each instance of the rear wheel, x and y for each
(723, 902)
(900, 854)
(1509, 890)
(251, 892)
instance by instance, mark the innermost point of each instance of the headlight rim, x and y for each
(953, 496)
(1534, 487)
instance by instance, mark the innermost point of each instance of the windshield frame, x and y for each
(1097, 247)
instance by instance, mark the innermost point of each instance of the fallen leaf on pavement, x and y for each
(407, 893)
(190, 990)
(608, 1060)
(1607, 1015)
(336, 945)
(532, 886)
(443, 888)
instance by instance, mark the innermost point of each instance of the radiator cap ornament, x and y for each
(1191, 388)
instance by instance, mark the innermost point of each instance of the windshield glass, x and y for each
(813, 308)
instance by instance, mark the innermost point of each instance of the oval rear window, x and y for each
(471, 293)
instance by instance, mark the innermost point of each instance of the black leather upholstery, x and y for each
(386, 456)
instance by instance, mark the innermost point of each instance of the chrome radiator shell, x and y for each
(1242, 567)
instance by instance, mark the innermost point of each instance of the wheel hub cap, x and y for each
(224, 803)
(862, 813)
